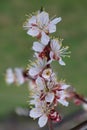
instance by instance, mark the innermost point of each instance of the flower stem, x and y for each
(50, 126)
(80, 98)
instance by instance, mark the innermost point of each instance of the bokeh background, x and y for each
(15, 47)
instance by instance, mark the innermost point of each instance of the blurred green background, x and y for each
(15, 46)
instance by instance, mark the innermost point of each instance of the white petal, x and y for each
(61, 62)
(49, 97)
(64, 86)
(43, 120)
(63, 102)
(9, 76)
(19, 76)
(33, 71)
(42, 63)
(32, 102)
(33, 32)
(55, 45)
(40, 83)
(51, 58)
(30, 23)
(43, 18)
(32, 20)
(31, 84)
(45, 38)
(52, 28)
(35, 113)
(36, 55)
(56, 20)
(38, 47)
(50, 61)
(51, 55)
(84, 105)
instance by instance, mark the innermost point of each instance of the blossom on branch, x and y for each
(57, 51)
(45, 96)
(39, 25)
(45, 91)
(52, 51)
(44, 112)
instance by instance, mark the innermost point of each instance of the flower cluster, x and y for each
(46, 92)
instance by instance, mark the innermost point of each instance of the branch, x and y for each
(80, 126)
(50, 126)
(80, 97)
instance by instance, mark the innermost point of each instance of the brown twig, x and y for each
(50, 126)
(77, 96)
(80, 126)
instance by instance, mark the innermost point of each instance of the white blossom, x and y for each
(37, 67)
(62, 94)
(39, 25)
(40, 112)
(57, 52)
(41, 85)
(9, 77)
(47, 73)
(44, 90)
